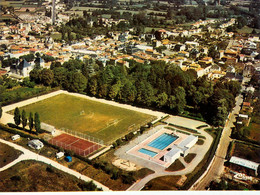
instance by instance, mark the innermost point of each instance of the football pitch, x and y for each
(97, 119)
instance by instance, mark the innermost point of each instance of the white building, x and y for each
(245, 163)
(173, 154)
(182, 149)
(35, 144)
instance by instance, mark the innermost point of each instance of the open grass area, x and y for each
(163, 183)
(100, 120)
(189, 157)
(252, 152)
(7, 154)
(200, 142)
(176, 166)
(32, 176)
(247, 30)
(254, 132)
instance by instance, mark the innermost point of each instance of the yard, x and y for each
(7, 154)
(100, 120)
(32, 176)
(252, 152)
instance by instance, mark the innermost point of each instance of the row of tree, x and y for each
(21, 118)
(155, 85)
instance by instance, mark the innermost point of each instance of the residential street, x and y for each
(28, 155)
(217, 166)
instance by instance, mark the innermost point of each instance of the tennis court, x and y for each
(79, 146)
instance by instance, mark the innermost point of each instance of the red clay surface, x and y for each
(78, 145)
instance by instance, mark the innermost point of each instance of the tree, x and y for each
(31, 121)
(78, 82)
(37, 122)
(180, 99)
(24, 119)
(46, 77)
(162, 100)
(17, 116)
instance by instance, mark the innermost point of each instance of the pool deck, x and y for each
(156, 159)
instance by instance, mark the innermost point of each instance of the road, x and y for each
(217, 165)
(29, 155)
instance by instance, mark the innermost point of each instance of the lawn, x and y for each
(100, 120)
(163, 183)
(176, 166)
(32, 176)
(189, 157)
(7, 154)
(252, 152)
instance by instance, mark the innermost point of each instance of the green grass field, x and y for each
(100, 120)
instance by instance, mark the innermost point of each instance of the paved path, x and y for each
(217, 166)
(29, 155)
(200, 150)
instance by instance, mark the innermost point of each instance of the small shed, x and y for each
(59, 154)
(68, 158)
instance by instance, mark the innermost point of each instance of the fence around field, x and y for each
(77, 150)
(84, 136)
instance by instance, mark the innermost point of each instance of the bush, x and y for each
(49, 169)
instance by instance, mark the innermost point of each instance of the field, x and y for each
(32, 176)
(100, 120)
(7, 154)
(163, 183)
(252, 152)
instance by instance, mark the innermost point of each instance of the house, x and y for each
(233, 76)
(179, 47)
(21, 68)
(231, 68)
(35, 144)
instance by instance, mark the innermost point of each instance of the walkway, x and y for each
(28, 155)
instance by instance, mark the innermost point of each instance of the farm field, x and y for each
(100, 120)
(252, 151)
(7, 154)
(32, 176)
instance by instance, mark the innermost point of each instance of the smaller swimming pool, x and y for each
(147, 152)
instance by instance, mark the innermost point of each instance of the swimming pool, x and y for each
(147, 152)
(162, 141)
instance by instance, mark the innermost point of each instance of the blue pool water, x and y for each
(148, 152)
(162, 141)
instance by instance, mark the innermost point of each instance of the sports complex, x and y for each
(164, 147)
(84, 124)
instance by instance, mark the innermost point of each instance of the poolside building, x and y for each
(173, 154)
(182, 149)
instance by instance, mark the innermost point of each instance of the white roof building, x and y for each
(36, 144)
(245, 163)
